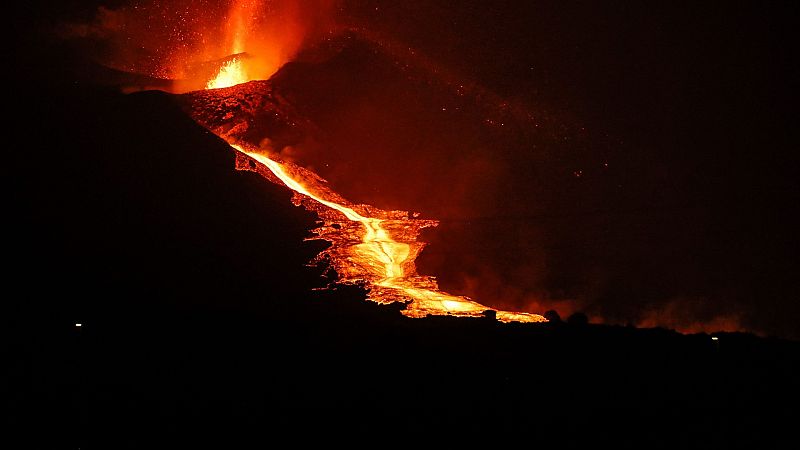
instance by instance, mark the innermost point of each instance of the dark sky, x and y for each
(633, 160)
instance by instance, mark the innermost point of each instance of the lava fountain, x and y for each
(230, 74)
(236, 71)
(258, 36)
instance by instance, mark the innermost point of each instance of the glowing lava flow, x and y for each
(380, 260)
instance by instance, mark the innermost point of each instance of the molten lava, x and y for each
(372, 247)
(230, 74)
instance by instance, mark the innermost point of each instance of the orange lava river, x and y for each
(372, 247)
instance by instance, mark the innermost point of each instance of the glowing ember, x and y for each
(375, 248)
(230, 74)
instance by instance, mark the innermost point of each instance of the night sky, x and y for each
(634, 161)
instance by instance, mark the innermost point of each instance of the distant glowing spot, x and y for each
(78, 325)
(714, 338)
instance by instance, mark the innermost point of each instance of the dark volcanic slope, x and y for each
(129, 192)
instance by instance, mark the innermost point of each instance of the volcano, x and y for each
(166, 289)
(369, 247)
